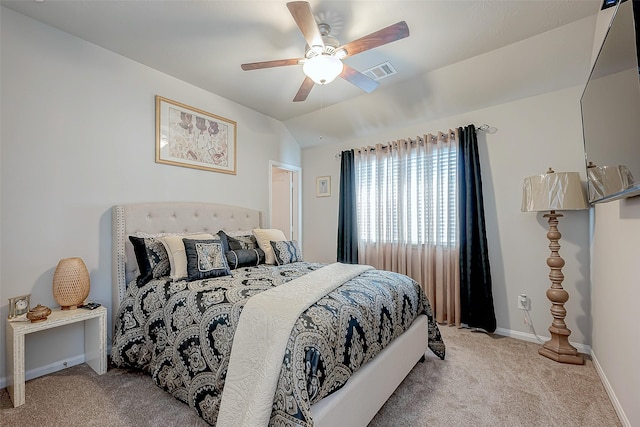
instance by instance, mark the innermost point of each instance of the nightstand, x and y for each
(95, 344)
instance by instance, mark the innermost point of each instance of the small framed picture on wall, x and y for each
(323, 186)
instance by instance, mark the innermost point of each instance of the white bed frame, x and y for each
(366, 391)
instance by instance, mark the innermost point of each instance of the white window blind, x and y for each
(408, 194)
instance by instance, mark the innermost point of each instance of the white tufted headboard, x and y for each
(166, 217)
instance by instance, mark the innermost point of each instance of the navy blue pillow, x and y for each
(238, 242)
(241, 251)
(152, 258)
(205, 259)
(244, 258)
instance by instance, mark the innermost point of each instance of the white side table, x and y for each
(95, 343)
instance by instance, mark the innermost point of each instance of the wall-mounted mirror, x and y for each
(611, 111)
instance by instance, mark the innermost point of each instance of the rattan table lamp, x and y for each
(555, 192)
(71, 283)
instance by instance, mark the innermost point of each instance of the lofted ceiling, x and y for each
(204, 43)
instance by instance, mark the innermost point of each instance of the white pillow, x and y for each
(177, 254)
(264, 236)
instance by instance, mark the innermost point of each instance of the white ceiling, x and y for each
(204, 43)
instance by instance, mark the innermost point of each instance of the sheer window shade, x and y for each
(407, 203)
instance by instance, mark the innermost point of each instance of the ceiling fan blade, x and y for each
(303, 15)
(357, 78)
(270, 64)
(304, 90)
(381, 37)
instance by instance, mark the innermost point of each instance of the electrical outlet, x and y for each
(523, 302)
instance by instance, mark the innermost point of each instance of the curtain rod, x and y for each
(451, 134)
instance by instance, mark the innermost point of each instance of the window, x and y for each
(408, 195)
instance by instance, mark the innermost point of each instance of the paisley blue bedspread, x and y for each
(181, 333)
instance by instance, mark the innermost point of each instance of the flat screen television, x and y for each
(610, 107)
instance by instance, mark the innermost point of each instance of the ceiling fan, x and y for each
(322, 61)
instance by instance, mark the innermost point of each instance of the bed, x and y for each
(375, 373)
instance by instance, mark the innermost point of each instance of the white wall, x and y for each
(532, 134)
(615, 289)
(78, 136)
(615, 295)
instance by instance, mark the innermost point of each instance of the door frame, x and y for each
(298, 196)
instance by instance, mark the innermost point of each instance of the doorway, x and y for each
(284, 201)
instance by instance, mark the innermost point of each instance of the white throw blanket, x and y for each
(261, 340)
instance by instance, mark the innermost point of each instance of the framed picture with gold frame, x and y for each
(19, 306)
(193, 138)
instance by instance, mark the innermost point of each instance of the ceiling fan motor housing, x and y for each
(330, 47)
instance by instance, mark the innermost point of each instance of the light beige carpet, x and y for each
(491, 380)
(485, 381)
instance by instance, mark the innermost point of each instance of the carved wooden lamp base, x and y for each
(558, 347)
(553, 192)
(563, 353)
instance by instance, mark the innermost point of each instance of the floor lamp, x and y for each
(555, 192)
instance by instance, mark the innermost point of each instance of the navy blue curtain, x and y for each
(476, 297)
(347, 214)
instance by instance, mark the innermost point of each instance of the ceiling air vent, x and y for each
(380, 71)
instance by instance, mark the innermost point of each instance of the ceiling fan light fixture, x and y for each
(340, 53)
(322, 69)
(316, 50)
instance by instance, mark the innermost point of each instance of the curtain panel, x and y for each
(475, 274)
(347, 212)
(407, 216)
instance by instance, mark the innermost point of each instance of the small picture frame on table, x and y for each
(19, 307)
(323, 186)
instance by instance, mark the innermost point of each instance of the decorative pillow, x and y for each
(238, 241)
(205, 259)
(244, 258)
(176, 251)
(242, 250)
(236, 233)
(286, 252)
(265, 236)
(243, 242)
(152, 258)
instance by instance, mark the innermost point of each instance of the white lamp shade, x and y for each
(557, 191)
(606, 180)
(322, 69)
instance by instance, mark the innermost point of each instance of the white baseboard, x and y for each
(612, 395)
(525, 336)
(51, 368)
(48, 369)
